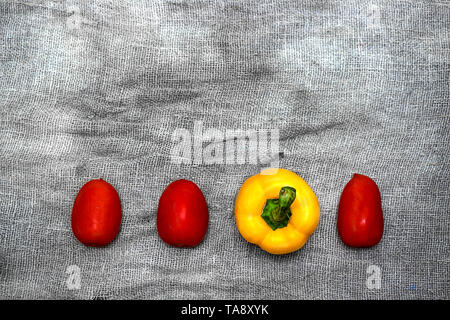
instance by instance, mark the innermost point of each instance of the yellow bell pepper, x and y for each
(276, 210)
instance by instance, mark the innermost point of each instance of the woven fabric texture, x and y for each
(98, 90)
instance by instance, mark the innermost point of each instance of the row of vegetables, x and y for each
(275, 209)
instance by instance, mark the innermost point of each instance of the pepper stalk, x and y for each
(277, 212)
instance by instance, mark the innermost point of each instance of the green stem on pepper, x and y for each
(277, 212)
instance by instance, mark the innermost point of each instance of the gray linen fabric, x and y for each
(90, 90)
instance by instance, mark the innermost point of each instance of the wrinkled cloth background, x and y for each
(96, 90)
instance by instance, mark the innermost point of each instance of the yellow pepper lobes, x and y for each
(276, 210)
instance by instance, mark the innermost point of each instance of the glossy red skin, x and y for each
(96, 214)
(182, 218)
(360, 217)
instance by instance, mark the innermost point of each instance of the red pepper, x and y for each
(96, 214)
(182, 218)
(360, 217)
